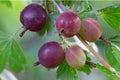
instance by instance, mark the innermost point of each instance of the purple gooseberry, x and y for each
(68, 24)
(51, 54)
(33, 17)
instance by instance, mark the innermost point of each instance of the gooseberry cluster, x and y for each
(52, 54)
(69, 24)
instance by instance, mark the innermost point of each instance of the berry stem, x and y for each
(58, 7)
(23, 32)
(47, 6)
(109, 67)
(65, 41)
(91, 64)
(36, 63)
(104, 39)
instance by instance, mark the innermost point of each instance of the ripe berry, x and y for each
(51, 55)
(90, 29)
(75, 57)
(33, 17)
(68, 24)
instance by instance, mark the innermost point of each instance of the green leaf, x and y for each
(111, 15)
(116, 53)
(4, 50)
(83, 6)
(108, 51)
(17, 58)
(8, 3)
(88, 15)
(4, 56)
(65, 72)
(87, 56)
(86, 69)
(10, 53)
(115, 38)
(66, 3)
(116, 43)
(106, 71)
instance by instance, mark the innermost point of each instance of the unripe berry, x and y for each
(33, 17)
(90, 29)
(51, 54)
(68, 24)
(75, 57)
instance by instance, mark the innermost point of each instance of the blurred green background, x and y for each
(30, 42)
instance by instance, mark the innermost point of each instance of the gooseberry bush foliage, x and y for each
(58, 23)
